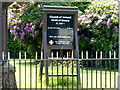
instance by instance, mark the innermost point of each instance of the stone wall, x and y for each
(7, 76)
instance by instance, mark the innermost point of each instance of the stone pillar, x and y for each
(7, 76)
(7, 71)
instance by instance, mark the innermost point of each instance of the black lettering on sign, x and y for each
(60, 29)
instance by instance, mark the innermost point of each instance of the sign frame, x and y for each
(60, 10)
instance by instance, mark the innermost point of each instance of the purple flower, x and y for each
(22, 30)
(11, 15)
(31, 34)
(108, 10)
(114, 35)
(15, 38)
(99, 21)
(36, 32)
(85, 22)
(28, 48)
(115, 27)
(89, 15)
(25, 28)
(78, 30)
(108, 26)
(22, 35)
(86, 37)
(93, 15)
(20, 10)
(108, 21)
(88, 25)
(101, 11)
(95, 21)
(93, 26)
(16, 33)
(82, 35)
(103, 27)
(16, 27)
(12, 31)
(103, 16)
(31, 24)
(10, 27)
(14, 20)
(28, 30)
(93, 38)
(82, 22)
(27, 24)
(41, 24)
(114, 44)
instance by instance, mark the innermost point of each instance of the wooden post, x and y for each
(5, 34)
(77, 48)
(0, 45)
(77, 57)
(46, 57)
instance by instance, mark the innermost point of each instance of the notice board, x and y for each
(60, 29)
(60, 25)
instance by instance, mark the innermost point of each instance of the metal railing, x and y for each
(95, 73)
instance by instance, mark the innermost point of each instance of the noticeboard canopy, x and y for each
(60, 8)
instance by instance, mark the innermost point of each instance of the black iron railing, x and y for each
(62, 73)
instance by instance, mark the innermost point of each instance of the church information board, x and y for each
(60, 29)
(60, 33)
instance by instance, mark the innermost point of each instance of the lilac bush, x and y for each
(98, 27)
(21, 32)
(27, 29)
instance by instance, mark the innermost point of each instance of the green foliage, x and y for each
(81, 5)
(14, 46)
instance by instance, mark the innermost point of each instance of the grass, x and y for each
(28, 76)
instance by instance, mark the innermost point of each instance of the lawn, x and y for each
(27, 76)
